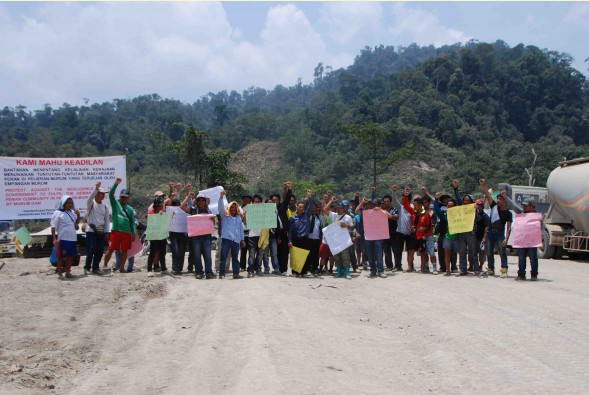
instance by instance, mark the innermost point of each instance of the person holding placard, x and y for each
(201, 245)
(279, 238)
(232, 235)
(450, 242)
(123, 225)
(372, 246)
(97, 229)
(157, 248)
(467, 240)
(298, 235)
(342, 260)
(529, 207)
(253, 263)
(499, 230)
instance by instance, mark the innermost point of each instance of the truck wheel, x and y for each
(546, 251)
(558, 253)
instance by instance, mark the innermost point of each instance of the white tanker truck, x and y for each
(566, 224)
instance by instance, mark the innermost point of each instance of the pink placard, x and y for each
(527, 230)
(200, 224)
(376, 225)
(136, 247)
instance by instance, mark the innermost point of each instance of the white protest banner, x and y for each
(337, 238)
(178, 220)
(30, 188)
(214, 194)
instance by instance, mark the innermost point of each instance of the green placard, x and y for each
(158, 226)
(261, 216)
(23, 236)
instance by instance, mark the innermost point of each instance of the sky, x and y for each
(66, 52)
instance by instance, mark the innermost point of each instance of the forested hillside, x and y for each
(425, 114)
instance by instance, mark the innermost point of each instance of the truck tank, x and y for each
(568, 188)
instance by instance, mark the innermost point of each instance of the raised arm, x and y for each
(328, 205)
(406, 204)
(221, 204)
(485, 190)
(394, 201)
(511, 204)
(438, 209)
(309, 204)
(455, 184)
(361, 205)
(90, 200)
(189, 195)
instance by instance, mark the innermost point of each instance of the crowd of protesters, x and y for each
(417, 224)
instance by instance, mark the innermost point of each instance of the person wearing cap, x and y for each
(123, 225)
(97, 230)
(342, 260)
(157, 248)
(481, 221)
(160, 197)
(499, 230)
(404, 226)
(467, 240)
(373, 248)
(528, 206)
(201, 245)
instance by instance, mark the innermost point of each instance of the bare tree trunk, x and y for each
(530, 171)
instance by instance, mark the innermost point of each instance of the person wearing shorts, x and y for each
(64, 224)
(451, 244)
(123, 225)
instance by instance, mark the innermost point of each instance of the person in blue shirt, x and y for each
(298, 234)
(232, 235)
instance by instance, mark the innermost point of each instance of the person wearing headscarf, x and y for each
(64, 224)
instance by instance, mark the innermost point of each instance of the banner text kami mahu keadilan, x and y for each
(30, 188)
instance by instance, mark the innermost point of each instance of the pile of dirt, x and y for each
(257, 160)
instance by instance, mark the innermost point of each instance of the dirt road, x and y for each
(408, 333)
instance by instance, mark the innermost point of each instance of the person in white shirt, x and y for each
(64, 224)
(342, 260)
(97, 229)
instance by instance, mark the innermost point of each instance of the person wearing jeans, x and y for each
(201, 246)
(232, 235)
(373, 248)
(499, 229)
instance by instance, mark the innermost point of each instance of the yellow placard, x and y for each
(461, 218)
(298, 256)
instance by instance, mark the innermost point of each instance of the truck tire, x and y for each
(546, 251)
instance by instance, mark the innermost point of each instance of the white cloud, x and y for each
(352, 23)
(63, 52)
(578, 15)
(422, 27)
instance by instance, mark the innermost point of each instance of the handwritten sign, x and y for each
(337, 238)
(376, 225)
(298, 257)
(200, 224)
(158, 226)
(261, 216)
(23, 236)
(526, 231)
(213, 194)
(461, 218)
(178, 223)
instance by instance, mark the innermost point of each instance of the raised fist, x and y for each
(455, 183)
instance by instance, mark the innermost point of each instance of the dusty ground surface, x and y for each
(408, 333)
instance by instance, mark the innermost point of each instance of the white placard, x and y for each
(178, 223)
(214, 194)
(337, 238)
